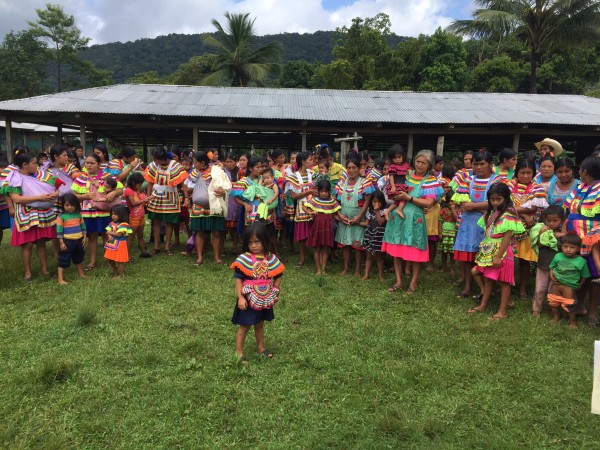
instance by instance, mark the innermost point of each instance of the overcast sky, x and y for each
(127, 20)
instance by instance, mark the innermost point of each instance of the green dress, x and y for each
(350, 234)
(410, 231)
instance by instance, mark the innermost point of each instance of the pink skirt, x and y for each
(20, 238)
(302, 230)
(405, 252)
(505, 273)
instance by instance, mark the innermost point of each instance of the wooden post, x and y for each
(9, 153)
(145, 146)
(304, 139)
(440, 146)
(516, 139)
(355, 140)
(409, 151)
(82, 136)
(195, 139)
(59, 135)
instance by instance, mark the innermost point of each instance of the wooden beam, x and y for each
(410, 150)
(59, 135)
(304, 139)
(195, 139)
(440, 146)
(145, 146)
(516, 138)
(82, 137)
(9, 152)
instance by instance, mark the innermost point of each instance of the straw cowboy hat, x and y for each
(557, 148)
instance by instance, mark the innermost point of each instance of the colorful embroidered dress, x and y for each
(407, 238)
(469, 234)
(257, 275)
(449, 226)
(96, 220)
(495, 229)
(351, 195)
(583, 205)
(532, 196)
(116, 246)
(117, 166)
(33, 221)
(556, 195)
(298, 183)
(460, 177)
(165, 199)
(200, 217)
(4, 212)
(237, 190)
(321, 233)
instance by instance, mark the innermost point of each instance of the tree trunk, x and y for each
(533, 72)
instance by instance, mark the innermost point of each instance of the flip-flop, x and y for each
(198, 264)
(243, 359)
(410, 291)
(156, 251)
(394, 288)
(88, 268)
(473, 311)
(266, 353)
(169, 252)
(462, 295)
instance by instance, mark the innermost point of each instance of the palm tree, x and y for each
(238, 63)
(540, 24)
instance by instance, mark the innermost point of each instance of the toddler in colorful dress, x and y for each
(448, 224)
(374, 231)
(117, 253)
(257, 274)
(70, 231)
(396, 180)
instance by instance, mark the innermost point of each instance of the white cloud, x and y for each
(125, 20)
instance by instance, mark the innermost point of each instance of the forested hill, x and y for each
(164, 54)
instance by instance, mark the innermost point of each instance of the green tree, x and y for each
(540, 24)
(362, 45)
(63, 38)
(194, 71)
(22, 69)
(335, 75)
(238, 62)
(500, 74)
(443, 63)
(297, 74)
(150, 77)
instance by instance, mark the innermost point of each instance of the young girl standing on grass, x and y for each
(70, 231)
(136, 199)
(495, 261)
(374, 231)
(447, 229)
(117, 231)
(257, 274)
(323, 208)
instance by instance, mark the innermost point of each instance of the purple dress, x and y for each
(234, 211)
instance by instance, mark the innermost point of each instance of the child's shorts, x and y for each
(74, 252)
(137, 221)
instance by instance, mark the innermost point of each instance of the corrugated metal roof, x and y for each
(319, 105)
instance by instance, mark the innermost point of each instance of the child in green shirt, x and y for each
(568, 272)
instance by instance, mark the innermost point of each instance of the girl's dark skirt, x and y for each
(250, 316)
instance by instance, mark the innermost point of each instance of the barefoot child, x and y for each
(323, 208)
(495, 261)
(70, 231)
(397, 179)
(447, 229)
(375, 228)
(116, 252)
(257, 274)
(544, 241)
(568, 272)
(136, 199)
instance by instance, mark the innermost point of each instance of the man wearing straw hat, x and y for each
(549, 147)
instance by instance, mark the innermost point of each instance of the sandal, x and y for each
(463, 295)
(88, 268)
(243, 359)
(266, 353)
(410, 291)
(478, 297)
(198, 263)
(394, 288)
(156, 251)
(169, 252)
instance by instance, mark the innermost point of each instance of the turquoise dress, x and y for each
(350, 199)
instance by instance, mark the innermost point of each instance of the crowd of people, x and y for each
(480, 214)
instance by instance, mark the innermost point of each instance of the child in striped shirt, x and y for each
(70, 231)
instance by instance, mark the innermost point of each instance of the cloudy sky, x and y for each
(128, 20)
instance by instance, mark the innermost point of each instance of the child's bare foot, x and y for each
(344, 272)
(118, 275)
(401, 214)
(572, 325)
(317, 272)
(366, 277)
(357, 274)
(62, 282)
(477, 309)
(323, 272)
(381, 277)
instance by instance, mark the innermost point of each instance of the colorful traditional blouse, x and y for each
(474, 189)
(84, 184)
(430, 188)
(237, 190)
(165, 199)
(460, 177)
(495, 228)
(320, 206)
(346, 187)
(116, 166)
(245, 266)
(583, 204)
(556, 195)
(198, 210)
(298, 183)
(531, 196)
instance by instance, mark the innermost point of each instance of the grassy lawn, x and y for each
(148, 362)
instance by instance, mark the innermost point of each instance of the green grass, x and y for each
(148, 362)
